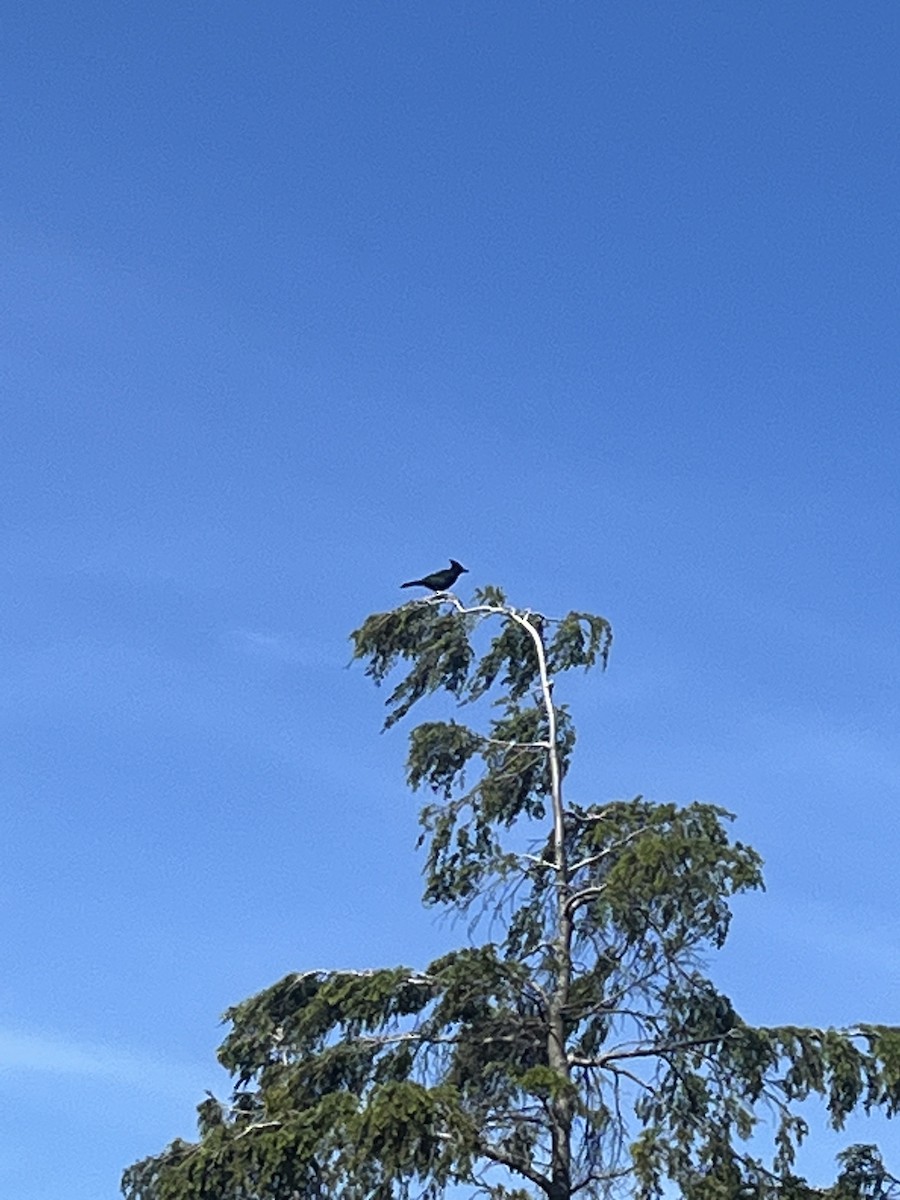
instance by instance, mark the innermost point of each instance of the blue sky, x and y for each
(302, 299)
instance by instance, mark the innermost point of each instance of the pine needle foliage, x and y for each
(579, 1047)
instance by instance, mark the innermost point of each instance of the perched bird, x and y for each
(440, 581)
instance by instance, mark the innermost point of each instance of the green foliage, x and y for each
(434, 643)
(583, 1049)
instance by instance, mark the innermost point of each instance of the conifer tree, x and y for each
(574, 1046)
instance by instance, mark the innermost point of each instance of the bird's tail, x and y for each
(413, 583)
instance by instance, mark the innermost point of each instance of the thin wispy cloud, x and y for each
(280, 647)
(24, 1052)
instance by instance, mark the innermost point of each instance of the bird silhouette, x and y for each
(439, 581)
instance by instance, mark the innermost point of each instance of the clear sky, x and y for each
(300, 299)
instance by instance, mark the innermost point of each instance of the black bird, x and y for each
(440, 581)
